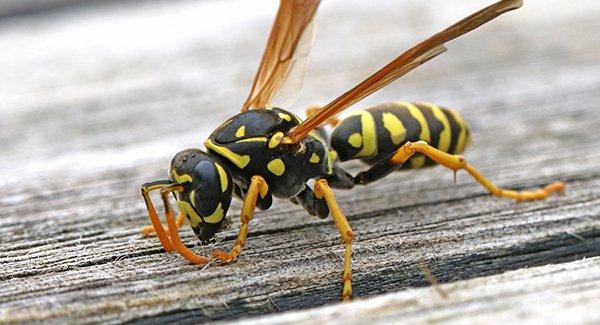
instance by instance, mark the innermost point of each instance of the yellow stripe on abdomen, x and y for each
(446, 132)
(425, 135)
(368, 134)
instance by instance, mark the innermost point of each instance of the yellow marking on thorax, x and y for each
(276, 166)
(425, 135)
(180, 179)
(314, 158)
(395, 127)
(216, 216)
(276, 139)
(461, 142)
(222, 178)
(446, 134)
(255, 139)
(369, 134)
(187, 209)
(285, 117)
(241, 131)
(239, 160)
(355, 140)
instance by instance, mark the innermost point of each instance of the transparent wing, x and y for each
(285, 59)
(407, 61)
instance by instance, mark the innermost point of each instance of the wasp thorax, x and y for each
(207, 190)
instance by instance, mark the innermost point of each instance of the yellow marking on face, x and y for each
(285, 117)
(191, 213)
(395, 127)
(256, 139)
(425, 135)
(314, 158)
(241, 131)
(461, 142)
(216, 216)
(276, 166)
(238, 160)
(369, 134)
(446, 134)
(355, 140)
(193, 197)
(222, 178)
(276, 139)
(180, 178)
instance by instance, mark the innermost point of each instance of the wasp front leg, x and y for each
(156, 226)
(150, 230)
(258, 186)
(178, 246)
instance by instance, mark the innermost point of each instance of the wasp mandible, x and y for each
(266, 151)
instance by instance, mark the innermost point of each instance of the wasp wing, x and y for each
(407, 61)
(285, 59)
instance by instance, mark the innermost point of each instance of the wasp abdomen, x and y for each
(373, 133)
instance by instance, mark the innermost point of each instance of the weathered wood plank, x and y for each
(94, 104)
(563, 293)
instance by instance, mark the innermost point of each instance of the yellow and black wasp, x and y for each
(266, 151)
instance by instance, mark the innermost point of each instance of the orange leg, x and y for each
(257, 186)
(456, 162)
(322, 190)
(148, 231)
(160, 232)
(173, 231)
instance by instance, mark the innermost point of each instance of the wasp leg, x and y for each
(149, 230)
(173, 231)
(456, 162)
(156, 225)
(257, 186)
(322, 190)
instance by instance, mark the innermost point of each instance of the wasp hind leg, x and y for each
(453, 162)
(258, 186)
(323, 191)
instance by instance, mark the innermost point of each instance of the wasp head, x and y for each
(207, 191)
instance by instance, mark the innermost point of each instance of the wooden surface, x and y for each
(564, 293)
(96, 101)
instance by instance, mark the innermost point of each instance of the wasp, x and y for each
(266, 151)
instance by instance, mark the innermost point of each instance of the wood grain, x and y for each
(96, 102)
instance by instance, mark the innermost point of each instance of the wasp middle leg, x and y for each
(322, 190)
(258, 186)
